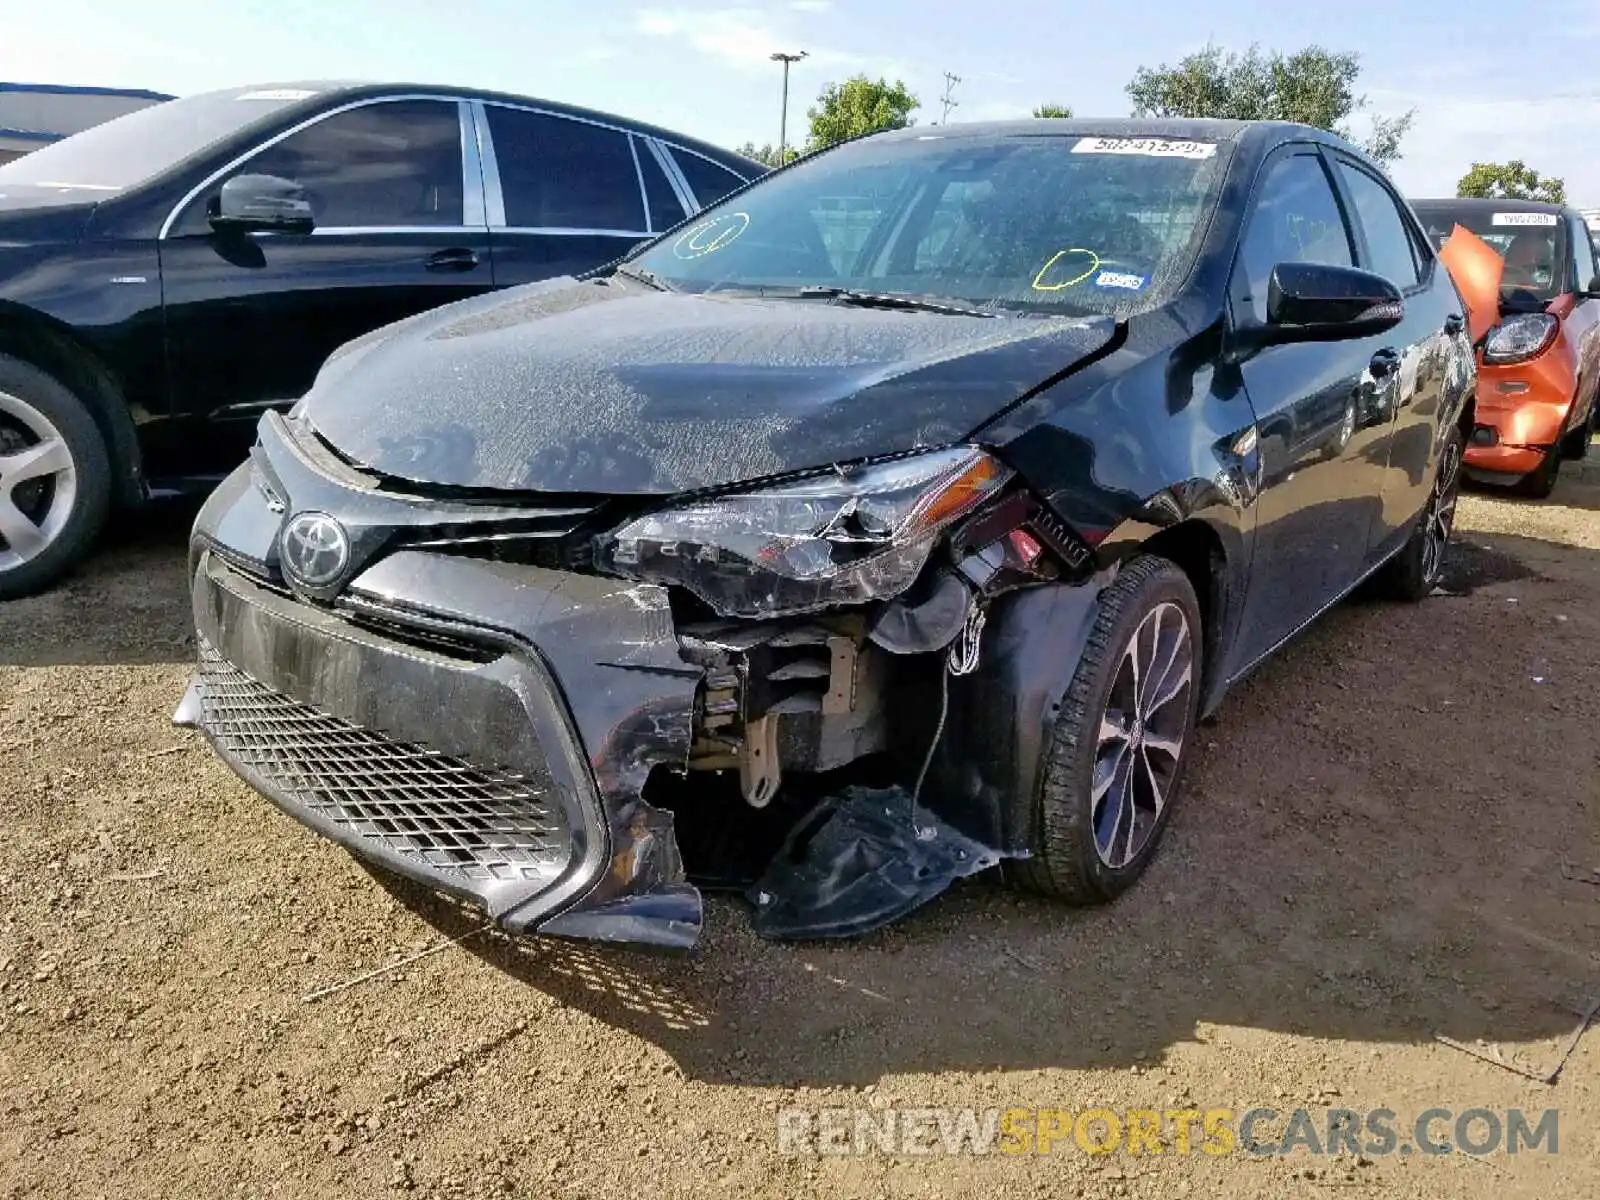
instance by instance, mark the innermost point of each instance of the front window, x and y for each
(1060, 224)
(1532, 243)
(137, 146)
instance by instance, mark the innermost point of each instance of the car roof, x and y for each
(1477, 204)
(354, 89)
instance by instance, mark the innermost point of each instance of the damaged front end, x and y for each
(565, 714)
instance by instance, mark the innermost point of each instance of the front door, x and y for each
(1323, 414)
(250, 318)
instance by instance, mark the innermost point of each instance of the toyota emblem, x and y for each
(315, 549)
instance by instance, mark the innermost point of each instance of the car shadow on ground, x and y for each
(1330, 874)
(126, 605)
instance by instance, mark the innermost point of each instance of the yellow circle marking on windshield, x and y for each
(710, 236)
(1039, 285)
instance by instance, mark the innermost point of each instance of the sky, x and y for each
(1490, 81)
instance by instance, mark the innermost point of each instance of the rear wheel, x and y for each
(1117, 753)
(55, 479)
(1419, 566)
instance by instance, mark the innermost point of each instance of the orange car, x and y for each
(1539, 363)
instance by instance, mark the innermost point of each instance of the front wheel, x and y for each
(1116, 756)
(55, 479)
(1575, 445)
(1541, 481)
(1419, 566)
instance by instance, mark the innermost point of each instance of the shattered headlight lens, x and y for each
(844, 538)
(1518, 338)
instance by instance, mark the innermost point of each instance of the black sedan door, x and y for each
(566, 196)
(1323, 412)
(250, 317)
(1391, 245)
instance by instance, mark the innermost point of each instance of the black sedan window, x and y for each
(1296, 219)
(1059, 223)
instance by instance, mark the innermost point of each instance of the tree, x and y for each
(1313, 86)
(859, 106)
(1052, 110)
(1511, 181)
(767, 154)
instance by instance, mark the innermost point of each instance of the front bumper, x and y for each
(1527, 422)
(484, 730)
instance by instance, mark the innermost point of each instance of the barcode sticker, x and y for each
(277, 94)
(1149, 147)
(1526, 219)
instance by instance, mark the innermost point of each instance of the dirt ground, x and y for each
(1390, 833)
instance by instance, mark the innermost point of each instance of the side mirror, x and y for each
(1317, 302)
(262, 204)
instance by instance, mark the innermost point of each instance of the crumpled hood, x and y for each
(604, 387)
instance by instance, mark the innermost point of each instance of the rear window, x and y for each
(1534, 244)
(706, 179)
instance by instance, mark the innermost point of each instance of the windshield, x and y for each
(1059, 223)
(1532, 243)
(125, 152)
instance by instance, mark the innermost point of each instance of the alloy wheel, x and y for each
(1441, 516)
(38, 482)
(1142, 734)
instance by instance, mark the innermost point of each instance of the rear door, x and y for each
(566, 195)
(398, 199)
(1583, 326)
(1322, 412)
(1410, 377)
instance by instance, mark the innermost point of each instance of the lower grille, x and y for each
(481, 825)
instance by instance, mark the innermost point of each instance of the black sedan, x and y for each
(897, 519)
(167, 276)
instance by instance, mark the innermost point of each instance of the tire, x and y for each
(1540, 482)
(1416, 570)
(53, 502)
(1575, 445)
(1068, 861)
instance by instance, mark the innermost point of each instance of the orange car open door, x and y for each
(1476, 268)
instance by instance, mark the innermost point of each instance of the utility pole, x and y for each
(783, 121)
(948, 99)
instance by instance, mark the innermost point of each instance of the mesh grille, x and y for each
(478, 824)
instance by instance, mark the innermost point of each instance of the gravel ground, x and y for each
(1388, 835)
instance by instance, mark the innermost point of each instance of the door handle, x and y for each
(1384, 362)
(1454, 324)
(457, 259)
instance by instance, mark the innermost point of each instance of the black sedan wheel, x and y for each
(55, 479)
(1419, 566)
(1116, 759)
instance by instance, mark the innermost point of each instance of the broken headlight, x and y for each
(848, 537)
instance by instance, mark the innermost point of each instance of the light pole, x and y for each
(783, 121)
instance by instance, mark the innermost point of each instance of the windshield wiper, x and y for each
(645, 276)
(903, 300)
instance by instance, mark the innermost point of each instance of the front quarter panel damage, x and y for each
(612, 648)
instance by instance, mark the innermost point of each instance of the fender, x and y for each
(49, 345)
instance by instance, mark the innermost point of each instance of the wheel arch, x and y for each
(51, 347)
(1197, 549)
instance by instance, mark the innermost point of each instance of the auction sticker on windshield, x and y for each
(1525, 219)
(1150, 147)
(277, 94)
